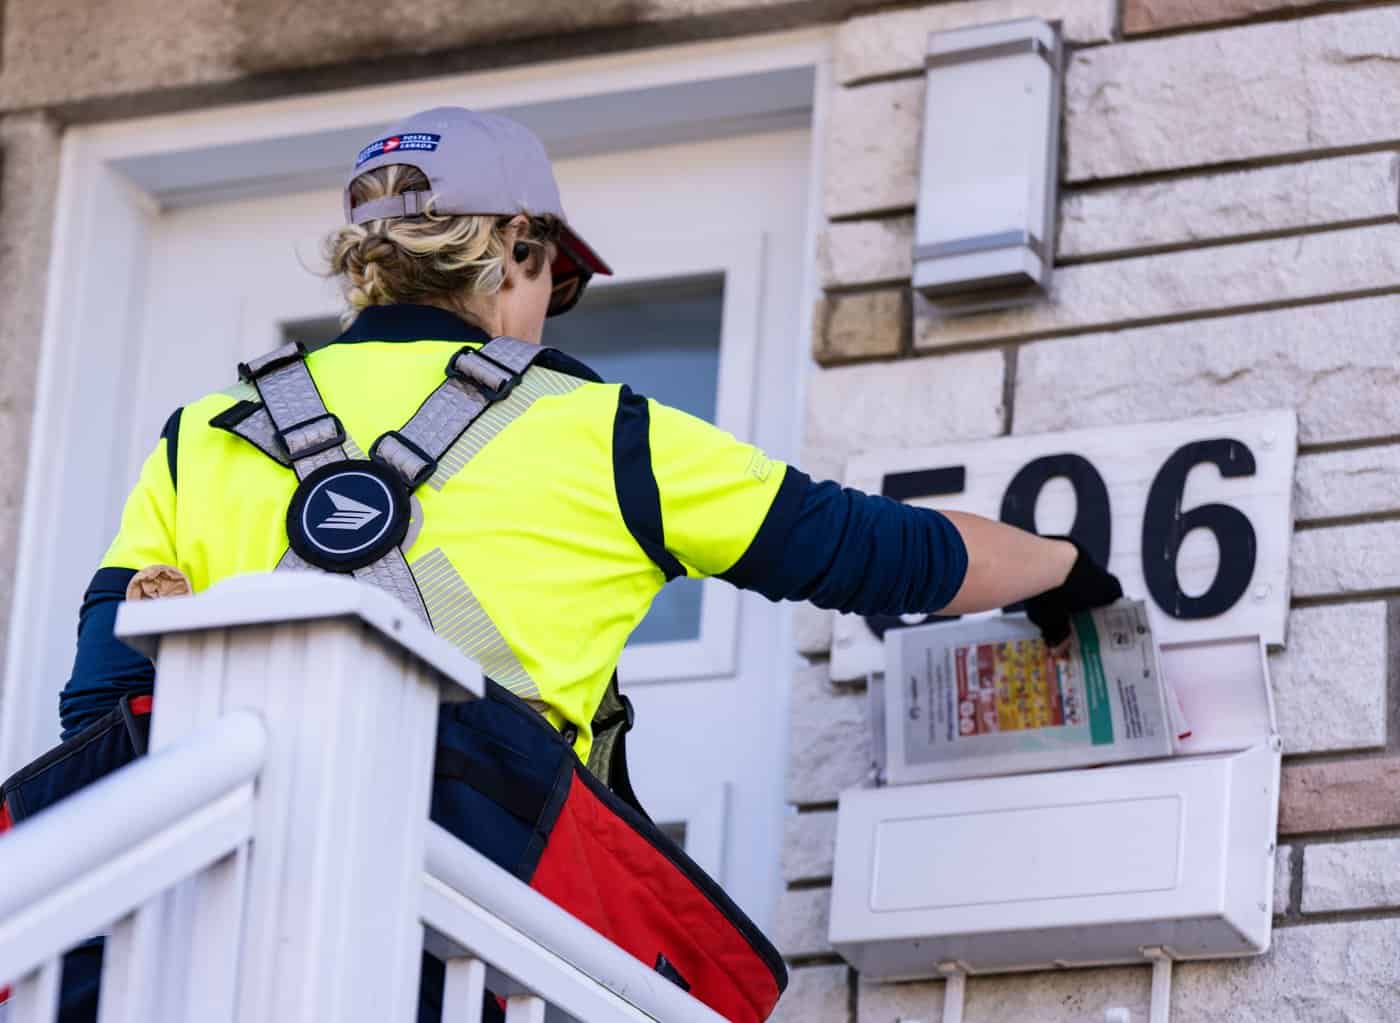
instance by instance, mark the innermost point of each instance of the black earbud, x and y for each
(521, 252)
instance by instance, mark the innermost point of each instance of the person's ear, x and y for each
(517, 249)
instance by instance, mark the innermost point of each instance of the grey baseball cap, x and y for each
(475, 163)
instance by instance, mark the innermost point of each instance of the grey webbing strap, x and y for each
(258, 430)
(390, 573)
(309, 433)
(479, 378)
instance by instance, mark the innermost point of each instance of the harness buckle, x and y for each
(488, 376)
(312, 436)
(413, 477)
(292, 352)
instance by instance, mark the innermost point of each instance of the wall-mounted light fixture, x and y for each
(985, 229)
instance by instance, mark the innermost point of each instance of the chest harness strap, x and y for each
(342, 500)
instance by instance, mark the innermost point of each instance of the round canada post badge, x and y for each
(347, 515)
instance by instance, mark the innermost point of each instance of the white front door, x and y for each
(707, 241)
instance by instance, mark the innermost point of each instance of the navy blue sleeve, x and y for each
(852, 552)
(105, 669)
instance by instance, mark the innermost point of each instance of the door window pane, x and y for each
(662, 340)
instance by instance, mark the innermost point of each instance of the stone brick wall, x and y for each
(1229, 240)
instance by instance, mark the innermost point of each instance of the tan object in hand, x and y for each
(158, 581)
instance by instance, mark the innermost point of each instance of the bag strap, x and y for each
(476, 380)
(310, 435)
(251, 421)
(607, 757)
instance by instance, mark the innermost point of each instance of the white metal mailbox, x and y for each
(1081, 867)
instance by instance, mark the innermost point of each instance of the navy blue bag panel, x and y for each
(498, 768)
(110, 742)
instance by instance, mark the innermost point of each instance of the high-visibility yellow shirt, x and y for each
(538, 556)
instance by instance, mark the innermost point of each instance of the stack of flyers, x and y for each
(988, 697)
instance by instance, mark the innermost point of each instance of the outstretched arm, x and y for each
(860, 553)
(726, 510)
(1006, 565)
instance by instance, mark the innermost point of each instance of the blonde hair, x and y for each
(432, 259)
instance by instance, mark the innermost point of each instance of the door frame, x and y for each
(116, 178)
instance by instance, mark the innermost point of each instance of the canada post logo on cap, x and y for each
(423, 142)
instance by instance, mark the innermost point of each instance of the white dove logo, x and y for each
(349, 514)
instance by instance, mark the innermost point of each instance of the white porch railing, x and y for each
(272, 859)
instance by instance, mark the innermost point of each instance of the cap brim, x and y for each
(575, 254)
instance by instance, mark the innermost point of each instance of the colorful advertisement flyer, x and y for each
(987, 696)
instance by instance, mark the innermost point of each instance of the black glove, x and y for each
(1087, 586)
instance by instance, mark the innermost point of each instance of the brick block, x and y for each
(909, 403)
(898, 1003)
(1210, 207)
(866, 251)
(1330, 681)
(829, 740)
(801, 924)
(865, 325)
(1337, 364)
(809, 846)
(815, 994)
(872, 154)
(1340, 796)
(811, 629)
(1336, 484)
(1096, 296)
(894, 42)
(1238, 94)
(1283, 879)
(1346, 559)
(1341, 973)
(1156, 15)
(1351, 875)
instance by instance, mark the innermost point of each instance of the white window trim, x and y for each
(703, 813)
(111, 185)
(740, 259)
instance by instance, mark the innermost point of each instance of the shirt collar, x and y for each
(407, 322)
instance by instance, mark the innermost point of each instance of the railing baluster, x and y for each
(464, 990)
(125, 995)
(215, 936)
(525, 1009)
(35, 998)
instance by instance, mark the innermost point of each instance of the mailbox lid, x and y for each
(1224, 689)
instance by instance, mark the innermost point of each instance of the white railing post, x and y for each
(347, 683)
